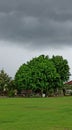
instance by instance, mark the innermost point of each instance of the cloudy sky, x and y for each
(29, 28)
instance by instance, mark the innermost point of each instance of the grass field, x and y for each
(36, 113)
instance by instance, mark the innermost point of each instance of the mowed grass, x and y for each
(36, 113)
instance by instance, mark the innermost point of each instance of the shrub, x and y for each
(11, 93)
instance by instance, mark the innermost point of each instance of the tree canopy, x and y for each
(62, 67)
(42, 73)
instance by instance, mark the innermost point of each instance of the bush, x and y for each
(11, 93)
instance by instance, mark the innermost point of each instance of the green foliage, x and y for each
(11, 93)
(11, 85)
(38, 74)
(62, 67)
(4, 80)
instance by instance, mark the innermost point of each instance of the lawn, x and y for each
(36, 113)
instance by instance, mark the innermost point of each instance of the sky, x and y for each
(29, 28)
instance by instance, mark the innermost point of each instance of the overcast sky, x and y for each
(29, 28)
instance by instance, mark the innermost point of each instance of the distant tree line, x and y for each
(41, 75)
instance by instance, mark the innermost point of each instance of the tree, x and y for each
(4, 81)
(38, 74)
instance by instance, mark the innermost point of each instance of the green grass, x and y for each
(36, 113)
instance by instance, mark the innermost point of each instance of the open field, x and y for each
(36, 113)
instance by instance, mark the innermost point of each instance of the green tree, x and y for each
(38, 74)
(4, 81)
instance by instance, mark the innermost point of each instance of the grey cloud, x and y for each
(36, 21)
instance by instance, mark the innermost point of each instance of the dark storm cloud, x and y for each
(36, 21)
